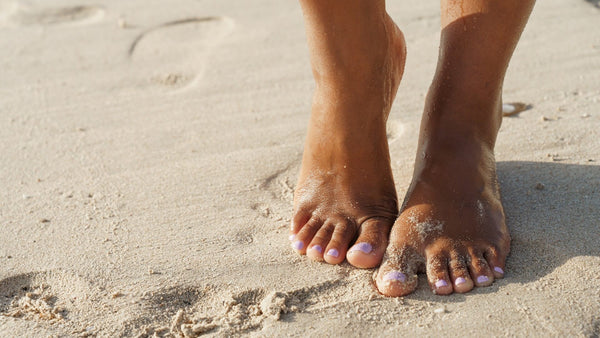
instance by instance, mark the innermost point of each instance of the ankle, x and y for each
(456, 158)
(459, 116)
(359, 62)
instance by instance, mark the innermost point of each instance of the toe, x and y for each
(496, 262)
(301, 217)
(368, 249)
(396, 276)
(335, 252)
(480, 270)
(437, 274)
(459, 274)
(319, 242)
(305, 235)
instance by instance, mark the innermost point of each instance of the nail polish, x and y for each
(482, 279)
(395, 276)
(441, 283)
(499, 270)
(318, 248)
(333, 253)
(363, 247)
(460, 281)
(298, 245)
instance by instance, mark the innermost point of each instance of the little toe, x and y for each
(335, 252)
(396, 276)
(480, 270)
(437, 275)
(305, 235)
(461, 280)
(496, 262)
(319, 242)
(368, 249)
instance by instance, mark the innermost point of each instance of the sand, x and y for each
(150, 150)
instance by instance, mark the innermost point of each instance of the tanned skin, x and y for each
(451, 225)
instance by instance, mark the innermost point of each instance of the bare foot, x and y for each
(452, 222)
(345, 188)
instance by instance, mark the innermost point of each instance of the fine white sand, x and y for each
(149, 151)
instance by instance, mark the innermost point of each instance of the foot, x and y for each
(452, 224)
(345, 192)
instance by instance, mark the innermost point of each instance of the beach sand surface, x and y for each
(150, 149)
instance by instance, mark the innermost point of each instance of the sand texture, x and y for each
(149, 152)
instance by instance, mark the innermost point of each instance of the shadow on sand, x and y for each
(552, 225)
(595, 3)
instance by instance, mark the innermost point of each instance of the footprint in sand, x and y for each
(21, 14)
(191, 312)
(50, 297)
(280, 183)
(175, 53)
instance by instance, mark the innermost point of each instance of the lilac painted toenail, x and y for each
(318, 248)
(482, 279)
(395, 275)
(499, 270)
(333, 253)
(460, 281)
(292, 236)
(364, 247)
(298, 245)
(441, 283)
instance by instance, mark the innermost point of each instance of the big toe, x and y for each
(369, 248)
(396, 276)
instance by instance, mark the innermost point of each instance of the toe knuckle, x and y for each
(313, 223)
(492, 250)
(344, 228)
(480, 263)
(326, 230)
(436, 262)
(318, 239)
(456, 265)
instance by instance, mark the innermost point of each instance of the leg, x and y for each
(452, 222)
(345, 188)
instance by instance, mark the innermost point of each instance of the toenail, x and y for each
(441, 283)
(482, 279)
(395, 275)
(333, 253)
(499, 270)
(292, 236)
(317, 247)
(298, 245)
(364, 247)
(460, 281)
